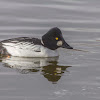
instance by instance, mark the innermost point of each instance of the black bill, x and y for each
(65, 45)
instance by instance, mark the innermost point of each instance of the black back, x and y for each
(34, 41)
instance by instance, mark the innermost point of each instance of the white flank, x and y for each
(26, 49)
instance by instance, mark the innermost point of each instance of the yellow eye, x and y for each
(56, 38)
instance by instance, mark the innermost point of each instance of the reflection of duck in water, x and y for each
(48, 66)
(53, 72)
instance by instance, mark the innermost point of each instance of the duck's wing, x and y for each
(25, 43)
(34, 41)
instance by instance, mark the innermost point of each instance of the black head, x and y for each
(53, 39)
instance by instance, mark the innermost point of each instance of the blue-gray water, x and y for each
(75, 75)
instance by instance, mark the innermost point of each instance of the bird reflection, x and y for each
(53, 72)
(46, 66)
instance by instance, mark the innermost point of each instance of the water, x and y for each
(75, 75)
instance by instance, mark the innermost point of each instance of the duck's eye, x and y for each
(56, 38)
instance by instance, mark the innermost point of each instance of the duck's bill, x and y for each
(67, 46)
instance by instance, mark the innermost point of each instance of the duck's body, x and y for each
(26, 47)
(33, 47)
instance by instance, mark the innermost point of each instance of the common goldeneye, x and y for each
(34, 47)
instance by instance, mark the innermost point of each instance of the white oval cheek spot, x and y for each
(59, 43)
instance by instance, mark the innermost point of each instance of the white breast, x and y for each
(26, 49)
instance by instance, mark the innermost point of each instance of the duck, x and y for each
(33, 47)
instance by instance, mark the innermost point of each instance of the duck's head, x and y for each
(53, 39)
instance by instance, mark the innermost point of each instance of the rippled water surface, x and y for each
(75, 75)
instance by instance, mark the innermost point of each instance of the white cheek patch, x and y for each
(59, 43)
